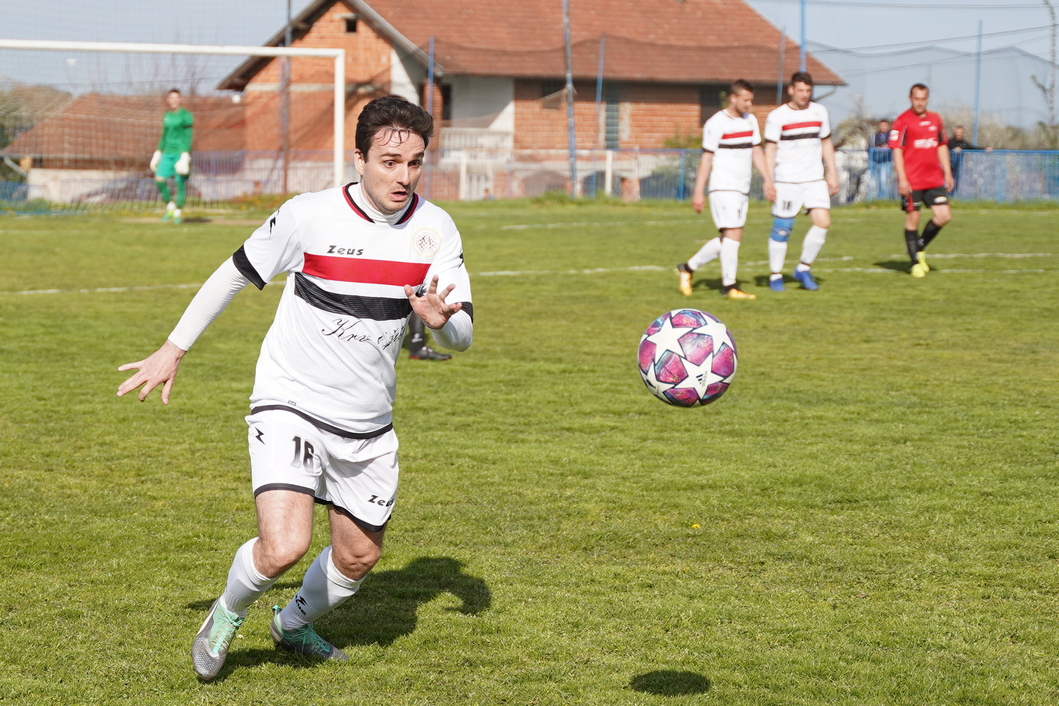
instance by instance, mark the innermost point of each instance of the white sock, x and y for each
(729, 261)
(777, 254)
(706, 253)
(171, 206)
(814, 240)
(323, 589)
(177, 213)
(245, 582)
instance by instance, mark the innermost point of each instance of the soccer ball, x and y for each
(687, 357)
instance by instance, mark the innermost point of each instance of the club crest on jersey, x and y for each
(426, 242)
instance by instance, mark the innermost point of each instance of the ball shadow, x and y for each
(667, 682)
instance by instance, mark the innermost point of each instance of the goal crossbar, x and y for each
(339, 56)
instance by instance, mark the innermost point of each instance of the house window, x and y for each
(612, 117)
(351, 25)
(446, 101)
(712, 98)
(551, 85)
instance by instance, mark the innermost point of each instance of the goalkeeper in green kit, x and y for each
(173, 156)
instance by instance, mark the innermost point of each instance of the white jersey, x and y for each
(329, 356)
(731, 140)
(798, 135)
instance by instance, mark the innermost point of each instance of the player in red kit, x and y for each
(924, 175)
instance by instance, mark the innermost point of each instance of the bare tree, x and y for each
(1051, 130)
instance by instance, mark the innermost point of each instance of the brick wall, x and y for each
(647, 115)
(367, 74)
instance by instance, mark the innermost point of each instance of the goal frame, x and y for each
(339, 56)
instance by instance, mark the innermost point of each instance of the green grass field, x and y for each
(869, 516)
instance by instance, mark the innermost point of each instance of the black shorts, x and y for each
(937, 196)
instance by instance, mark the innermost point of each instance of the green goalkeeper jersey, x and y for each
(176, 132)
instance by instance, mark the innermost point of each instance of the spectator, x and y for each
(881, 159)
(957, 144)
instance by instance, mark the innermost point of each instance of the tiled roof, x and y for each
(114, 130)
(697, 41)
(674, 41)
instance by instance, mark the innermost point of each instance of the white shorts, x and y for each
(728, 209)
(791, 198)
(356, 476)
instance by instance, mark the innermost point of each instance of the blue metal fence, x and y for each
(1000, 176)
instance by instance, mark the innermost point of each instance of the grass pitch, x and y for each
(869, 516)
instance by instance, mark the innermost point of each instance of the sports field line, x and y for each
(606, 270)
(597, 224)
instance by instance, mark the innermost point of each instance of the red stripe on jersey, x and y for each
(350, 269)
(795, 126)
(731, 135)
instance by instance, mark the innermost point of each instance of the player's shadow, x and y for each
(387, 605)
(384, 609)
(903, 266)
(667, 682)
(712, 284)
(196, 219)
(788, 281)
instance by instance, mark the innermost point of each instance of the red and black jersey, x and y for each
(920, 136)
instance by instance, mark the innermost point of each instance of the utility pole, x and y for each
(570, 98)
(977, 83)
(801, 57)
(284, 107)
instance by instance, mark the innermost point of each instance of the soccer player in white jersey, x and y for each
(731, 141)
(359, 259)
(797, 148)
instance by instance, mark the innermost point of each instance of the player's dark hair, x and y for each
(173, 90)
(802, 77)
(394, 113)
(741, 84)
(919, 87)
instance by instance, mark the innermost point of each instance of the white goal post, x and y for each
(339, 55)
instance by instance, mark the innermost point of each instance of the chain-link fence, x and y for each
(466, 174)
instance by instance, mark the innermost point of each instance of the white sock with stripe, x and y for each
(729, 261)
(245, 582)
(323, 589)
(777, 254)
(814, 241)
(710, 251)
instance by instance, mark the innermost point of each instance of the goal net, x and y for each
(80, 121)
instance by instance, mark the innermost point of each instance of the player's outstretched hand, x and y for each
(159, 368)
(432, 307)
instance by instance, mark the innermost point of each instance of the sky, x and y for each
(865, 26)
(840, 23)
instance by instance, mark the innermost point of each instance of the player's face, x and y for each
(173, 100)
(742, 101)
(958, 133)
(390, 171)
(801, 94)
(919, 99)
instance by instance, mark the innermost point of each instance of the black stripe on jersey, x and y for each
(706, 150)
(353, 204)
(411, 209)
(242, 263)
(374, 308)
(469, 308)
(324, 426)
(804, 136)
(736, 146)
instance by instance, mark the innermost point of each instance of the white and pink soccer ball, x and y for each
(687, 358)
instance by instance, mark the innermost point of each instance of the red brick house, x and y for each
(499, 69)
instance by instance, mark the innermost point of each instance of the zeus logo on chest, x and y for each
(335, 250)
